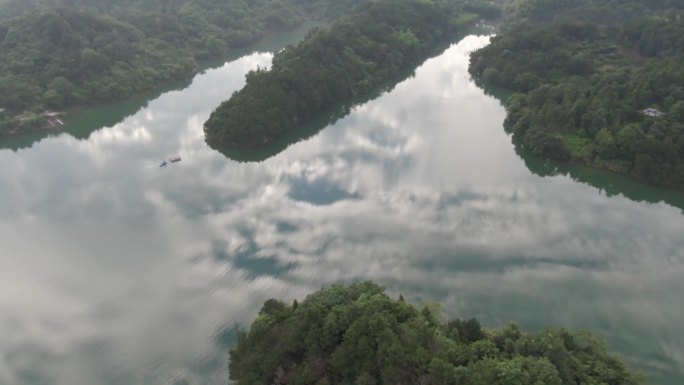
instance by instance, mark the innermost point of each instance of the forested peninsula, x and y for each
(358, 335)
(333, 64)
(607, 94)
(57, 55)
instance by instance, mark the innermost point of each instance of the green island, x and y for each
(349, 58)
(61, 55)
(607, 93)
(356, 334)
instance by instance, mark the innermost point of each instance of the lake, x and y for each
(114, 270)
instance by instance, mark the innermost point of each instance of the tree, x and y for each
(627, 140)
(386, 341)
(349, 58)
(677, 111)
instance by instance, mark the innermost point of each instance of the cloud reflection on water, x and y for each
(114, 271)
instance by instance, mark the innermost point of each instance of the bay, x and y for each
(116, 271)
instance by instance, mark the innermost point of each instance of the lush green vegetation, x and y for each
(602, 11)
(582, 88)
(60, 54)
(347, 59)
(358, 335)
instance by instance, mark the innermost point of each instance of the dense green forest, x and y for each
(333, 64)
(582, 90)
(60, 54)
(600, 11)
(356, 334)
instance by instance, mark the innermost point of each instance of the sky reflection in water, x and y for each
(116, 271)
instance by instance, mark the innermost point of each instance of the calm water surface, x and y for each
(116, 271)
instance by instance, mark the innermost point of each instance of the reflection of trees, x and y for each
(330, 66)
(308, 130)
(84, 123)
(80, 125)
(610, 183)
(324, 119)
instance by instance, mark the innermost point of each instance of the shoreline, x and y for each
(574, 162)
(200, 65)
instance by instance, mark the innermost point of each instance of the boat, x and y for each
(174, 159)
(162, 164)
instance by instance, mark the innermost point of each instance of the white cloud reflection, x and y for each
(116, 271)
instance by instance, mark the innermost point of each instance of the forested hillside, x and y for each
(583, 90)
(358, 335)
(599, 11)
(333, 64)
(59, 54)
